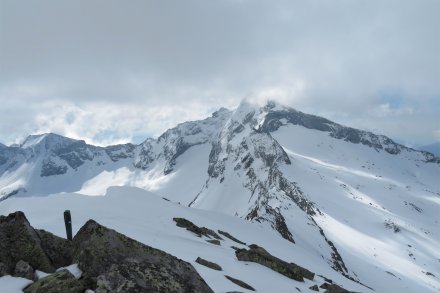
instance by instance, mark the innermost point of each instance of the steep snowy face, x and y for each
(174, 142)
(309, 178)
(246, 181)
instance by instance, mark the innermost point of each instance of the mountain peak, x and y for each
(275, 106)
(221, 111)
(49, 139)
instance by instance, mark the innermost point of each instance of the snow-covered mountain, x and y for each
(365, 206)
(433, 148)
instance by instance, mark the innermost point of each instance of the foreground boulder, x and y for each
(134, 275)
(110, 261)
(260, 255)
(59, 250)
(19, 241)
(3, 269)
(117, 263)
(62, 281)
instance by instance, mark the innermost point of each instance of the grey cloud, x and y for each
(330, 57)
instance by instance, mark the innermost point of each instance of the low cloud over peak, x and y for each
(110, 71)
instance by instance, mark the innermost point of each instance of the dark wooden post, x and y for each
(68, 222)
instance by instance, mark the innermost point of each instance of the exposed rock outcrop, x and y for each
(59, 250)
(226, 234)
(117, 261)
(110, 261)
(199, 231)
(260, 255)
(208, 264)
(19, 241)
(333, 288)
(240, 283)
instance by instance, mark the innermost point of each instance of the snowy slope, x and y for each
(149, 219)
(369, 208)
(365, 206)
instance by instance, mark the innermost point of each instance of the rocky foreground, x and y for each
(112, 262)
(109, 261)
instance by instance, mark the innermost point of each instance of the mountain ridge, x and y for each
(302, 176)
(275, 113)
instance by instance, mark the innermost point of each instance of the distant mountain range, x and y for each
(364, 204)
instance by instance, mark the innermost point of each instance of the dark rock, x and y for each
(281, 227)
(62, 281)
(50, 168)
(121, 262)
(24, 270)
(58, 249)
(240, 283)
(75, 153)
(208, 264)
(326, 279)
(333, 288)
(146, 155)
(3, 269)
(337, 261)
(260, 255)
(120, 151)
(214, 241)
(226, 234)
(390, 273)
(190, 226)
(134, 276)
(314, 288)
(324, 286)
(391, 225)
(19, 241)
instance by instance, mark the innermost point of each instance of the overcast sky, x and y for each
(116, 71)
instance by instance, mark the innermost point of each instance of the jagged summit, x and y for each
(249, 127)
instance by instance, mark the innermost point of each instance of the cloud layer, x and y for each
(111, 71)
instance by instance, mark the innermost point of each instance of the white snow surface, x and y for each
(9, 284)
(73, 269)
(359, 190)
(147, 218)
